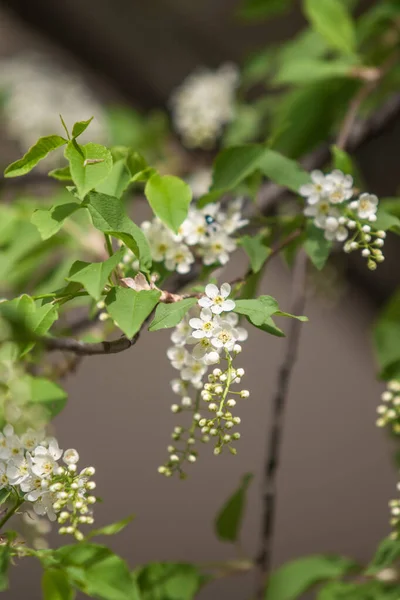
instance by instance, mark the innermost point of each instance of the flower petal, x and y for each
(225, 290)
(228, 305)
(211, 291)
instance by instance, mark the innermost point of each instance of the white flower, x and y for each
(71, 456)
(4, 481)
(19, 469)
(224, 336)
(194, 228)
(216, 299)
(193, 371)
(178, 356)
(342, 186)
(31, 438)
(203, 326)
(205, 351)
(232, 219)
(335, 231)
(160, 245)
(318, 189)
(217, 249)
(44, 506)
(179, 387)
(179, 258)
(181, 333)
(367, 206)
(200, 181)
(321, 211)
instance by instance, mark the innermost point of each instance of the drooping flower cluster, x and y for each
(205, 234)
(389, 410)
(33, 84)
(208, 334)
(29, 467)
(203, 104)
(329, 203)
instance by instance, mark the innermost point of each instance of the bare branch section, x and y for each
(277, 424)
(89, 349)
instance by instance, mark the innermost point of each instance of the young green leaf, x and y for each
(282, 170)
(301, 71)
(50, 221)
(255, 250)
(48, 394)
(234, 164)
(169, 198)
(56, 586)
(117, 181)
(316, 246)
(269, 327)
(94, 276)
(169, 581)
(387, 554)
(296, 577)
(257, 310)
(38, 152)
(387, 221)
(129, 308)
(4, 495)
(262, 9)
(5, 556)
(89, 164)
(279, 313)
(169, 315)
(111, 529)
(108, 215)
(62, 174)
(342, 160)
(386, 334)
(80, 127)
(333, 21)
(229, 519)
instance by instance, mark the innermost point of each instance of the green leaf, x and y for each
(55, 585)
(333, 21)
(129, 308)
(169, 581)
(169, 315)
(94, 276)
(386, 334)
(43, 318)
(342, 160)
(50, 221)
(85, 174)
(117, 181)
(80, 127)
(255, 250)
(38, 152)
(229, 519)
(262, 9)
(169, 198)
(48, 394)
(111, 529)
(4, 495)
(109, 216)
(98, 572)
(387, 554)
(386, 221)
(63, 174)
(269, 327)
(282, 170)
(294, 578)
(316, 246)
(5, 556)
(235, 164)
(302, 318)
(301, 71)
(257, 310)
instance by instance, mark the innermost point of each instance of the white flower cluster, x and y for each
(212, 241)
(389, 410)
(329, 203)
(37, 89)
(203, 104)
(207, 335)
(29, 467)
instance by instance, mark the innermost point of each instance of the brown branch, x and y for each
(277, 423)
(90, 349)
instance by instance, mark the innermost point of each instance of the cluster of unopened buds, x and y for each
(29, 469)
(389, 409)
(205, 234)
(211, 331)
(330, 203)
(203, 104)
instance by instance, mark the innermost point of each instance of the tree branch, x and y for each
(277, 423)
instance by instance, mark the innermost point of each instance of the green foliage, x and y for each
(387, 553)
(316, 246)
(89, 165)
(301, 71)
(109, 216)
(386, 335)
(48, 394)
(117, 181)
(296, 577)
(282, 170)
(169, 315)
(332, 20)
(169, 198)
(5, 556)
(50, 221)
(229, 518)
(111, 529)
(56, 586)
(342, 160)
(257, 310)
(263, 9)
(129, 309)
(38, 152)
(255, 250)
(371, 590)
(169, 581)
(62, 174)
(94, 276)
(80, 127)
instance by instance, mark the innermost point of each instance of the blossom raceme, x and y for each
(389, 409)
(329, 203)
(209, 334)
(30, 468)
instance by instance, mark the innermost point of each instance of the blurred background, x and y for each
(108, 57)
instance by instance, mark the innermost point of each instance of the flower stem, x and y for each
(108, 244)
(11, 512)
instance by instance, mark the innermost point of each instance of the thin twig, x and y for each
(277, 424)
